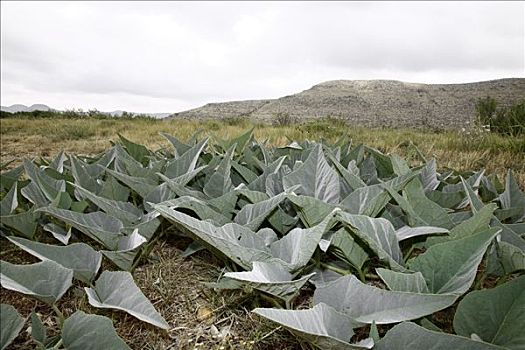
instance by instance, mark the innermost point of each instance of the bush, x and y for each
(283, 119)
(486, 109)
(500, 119)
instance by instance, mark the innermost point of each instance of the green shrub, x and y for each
(283, 119)
(500, 119)
(486, 109)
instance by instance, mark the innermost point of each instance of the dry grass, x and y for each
(461, 151)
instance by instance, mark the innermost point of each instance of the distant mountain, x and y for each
(373, 103)
(41, 107)
(22, 108)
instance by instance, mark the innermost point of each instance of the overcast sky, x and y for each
(172, 56)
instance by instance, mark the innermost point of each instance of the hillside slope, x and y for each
(374, 103)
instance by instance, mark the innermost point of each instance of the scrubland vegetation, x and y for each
(225, 234)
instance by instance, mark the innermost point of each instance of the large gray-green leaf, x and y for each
(186, 162)
(126, 164)
(112, 189)
(512, 197)
(124, 211)
(343, 246)
(58, 232)
(181, 190)
(79, 257)
(259, 184)
(253, 215)
(478, 222)
(244, 246)
(231, 241)
(9, 202)
(38, 330)
(474, 181)
(10, 177)
(298, 246)
(117, 290)
(24, 222)
(143, 186)
(408, 335)
(370, 200)
(427, 212)
(82, 331)
(403, 282)
(147, 226)
(450, 200)
(225, 204)
(352, 180)
(11, 323)
(271, 278)
(323, 276)
(367, 304)
(139, 152)
(321, 325)
(507, 234)
(98, 226)
(220, 181)
(82, 177)
(186, 178)
(428, 176)
(383, 162)
(127, 250)
(245, 173)
(406, 232)
(46, 281)
(161, 193)
(505, 258)
(282, 222)
(496, 315)
(316, 178)
(399, 165)
(311, 211)
(451, 267)
(180, 147)
(378, 234)
(48, 186)
(200, 208)
(241, 141)
(33, 194)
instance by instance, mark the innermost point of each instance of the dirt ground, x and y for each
(200, 317)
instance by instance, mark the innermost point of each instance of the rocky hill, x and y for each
(373, 103)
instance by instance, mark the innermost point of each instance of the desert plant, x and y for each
(502, 120)
(283, 119)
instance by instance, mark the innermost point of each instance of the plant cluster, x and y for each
(500, 119)
(71, 114)
(383, 243)
(283, 119)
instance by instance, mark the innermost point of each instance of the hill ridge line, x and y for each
(373, 103)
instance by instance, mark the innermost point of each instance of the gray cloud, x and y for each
(169, 56)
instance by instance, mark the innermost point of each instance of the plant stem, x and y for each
(147, 250)
(362, 275)
(336, 269)
(57, 346)
(59, 314)
(271, 301)
(407, 256)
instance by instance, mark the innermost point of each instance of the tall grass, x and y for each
(456, 150)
